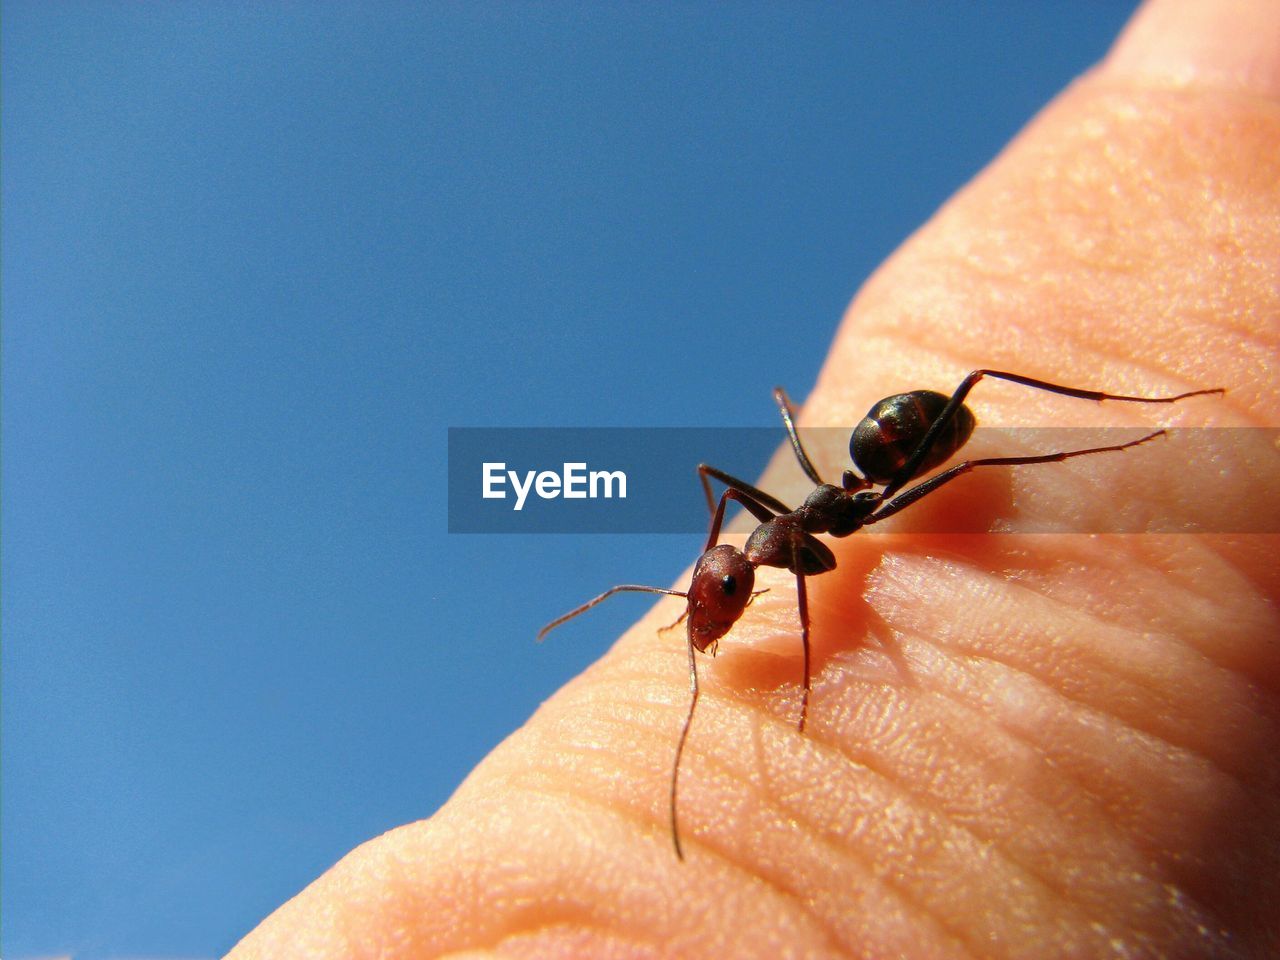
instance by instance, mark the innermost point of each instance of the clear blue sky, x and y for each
(258, 257)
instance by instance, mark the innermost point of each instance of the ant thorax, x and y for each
(839, 512)
(782, 542)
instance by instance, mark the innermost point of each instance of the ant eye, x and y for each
(729, 584)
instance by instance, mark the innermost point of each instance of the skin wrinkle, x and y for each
(727, 855)
(1229, 685)
(531, 777)
(512, 906)
(841, 855)
(1183, 576)
(1070, 774)
(1082, 622)
(839, 843)
(1053, 681)
(996, 841)
(566, 914)
(531, 780)
(927, 805)
(980, 837)
(1068, 893)
(965, 703)
(1253, 339)
(1086, 755)
(581, 937)
(831, 835)
(1095, 712)
(716, 762)
(732, 769)
(1064, 892)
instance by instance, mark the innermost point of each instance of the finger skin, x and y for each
(1017, 746)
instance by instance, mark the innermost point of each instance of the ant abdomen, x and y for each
(892, 430)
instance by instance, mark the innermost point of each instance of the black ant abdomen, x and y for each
(890, 433)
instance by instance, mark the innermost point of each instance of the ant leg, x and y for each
(621, 588)
(684, 735)
(802, 604)
(733, 483)
(1096, 395)
(912, 464)
(904, 500)
(706, 488)
(758, 510)
(788, 420)
(684, 615)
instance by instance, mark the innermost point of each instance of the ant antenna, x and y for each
(621, 588)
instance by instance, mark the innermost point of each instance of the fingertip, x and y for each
(1202, 43)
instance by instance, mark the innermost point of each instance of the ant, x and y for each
(900, 438)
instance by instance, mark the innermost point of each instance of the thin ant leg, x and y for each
(907, 473)
(621, 588)
(705, 471)
(758, 510)
(684, 735)
(802, 604)
(851, 481)
(1080, 394)
(788, 421)
(904, 500)
(684, 615)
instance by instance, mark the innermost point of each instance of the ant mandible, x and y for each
(900, 438)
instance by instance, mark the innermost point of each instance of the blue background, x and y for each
(257, 259)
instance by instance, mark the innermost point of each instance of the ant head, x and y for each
(720, 591)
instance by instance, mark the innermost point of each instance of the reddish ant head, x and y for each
(720, 591)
